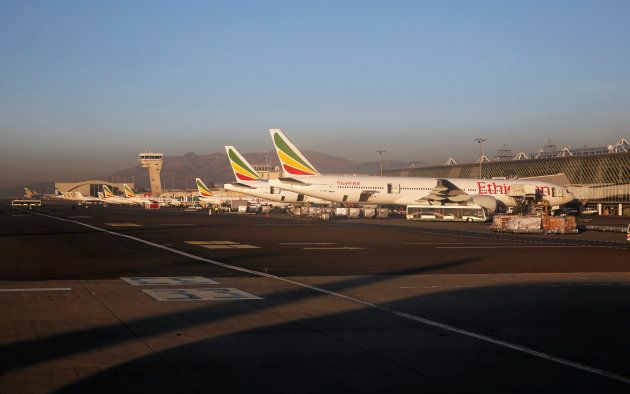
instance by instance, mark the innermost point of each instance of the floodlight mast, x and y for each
(480, 140)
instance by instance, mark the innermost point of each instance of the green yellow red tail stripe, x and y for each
(292, 160)
(202, 188)
(128, 192)
(107, 191)
(243, 171)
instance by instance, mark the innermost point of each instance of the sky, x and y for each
(85, 86)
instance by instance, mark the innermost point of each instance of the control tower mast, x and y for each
(153, 161)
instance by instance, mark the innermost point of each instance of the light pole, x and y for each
(380, 155)
(480, 140)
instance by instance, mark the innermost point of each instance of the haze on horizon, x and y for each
(85, 86)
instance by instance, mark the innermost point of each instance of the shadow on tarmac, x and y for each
(366, 350)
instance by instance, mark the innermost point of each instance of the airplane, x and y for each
(30, 194)
(207, 197)
(162, 201)
(249, 181)
(62, 196)
(131, 196)
(302, 177)
(110, 197)
(80, 198)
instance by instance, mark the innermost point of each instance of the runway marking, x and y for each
(395, 312)
(335, 248)
(204, 294)
(20, 215)
(211, 242)
(517, 246)
(36, 289)
(221, 245)
(307, 243)
(168, 280)
(123, 224)
(454, 243)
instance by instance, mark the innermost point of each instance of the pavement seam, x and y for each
(139, 337)
(395, 312)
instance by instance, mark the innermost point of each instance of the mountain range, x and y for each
(179, 172)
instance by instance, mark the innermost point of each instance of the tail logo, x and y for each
(291, 161)
(107, 191)
(203, 190)
(128, 192)
(242, 171)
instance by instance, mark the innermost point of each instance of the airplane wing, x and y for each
(446, 191)
(243, 185)
(366, 194)
(294, 181)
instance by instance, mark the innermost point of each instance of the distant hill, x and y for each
(181, 171)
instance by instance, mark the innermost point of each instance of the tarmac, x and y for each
(121, 299)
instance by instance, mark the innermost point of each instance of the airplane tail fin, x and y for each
(107, 191)
(243, 171)
(202, 188)
(100, 195)
(28, 193)
(128, 192)
(78, 195)
(292, 160)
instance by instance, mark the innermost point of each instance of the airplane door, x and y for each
(331, 188)
(396, 188)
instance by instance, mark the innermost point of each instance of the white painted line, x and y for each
(168, 280)
(307, 243)
(516, 246)
(335, 248)
(36, 289)
(123, 224)
(205, 294)
(428, 322)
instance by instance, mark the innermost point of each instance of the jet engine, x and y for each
(488, 202)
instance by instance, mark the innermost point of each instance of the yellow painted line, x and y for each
(229, 246)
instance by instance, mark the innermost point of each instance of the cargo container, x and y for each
(369, 213)
(382, 213)
(354, 213)
(341, 212)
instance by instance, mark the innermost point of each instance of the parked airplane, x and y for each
(81, 199)
(249, 181)
(30, 194)
(490, 194)
(207, 197)
(131, 196)
(110, 197)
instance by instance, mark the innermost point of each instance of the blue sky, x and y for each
(84, 86)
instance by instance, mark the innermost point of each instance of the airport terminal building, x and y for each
(91, 187)
(596, 176)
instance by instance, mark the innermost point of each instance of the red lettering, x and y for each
(482, 187)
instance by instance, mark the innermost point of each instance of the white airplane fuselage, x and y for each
(410, 190)
(262, 189)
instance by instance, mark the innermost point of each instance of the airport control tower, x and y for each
(153, 161)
